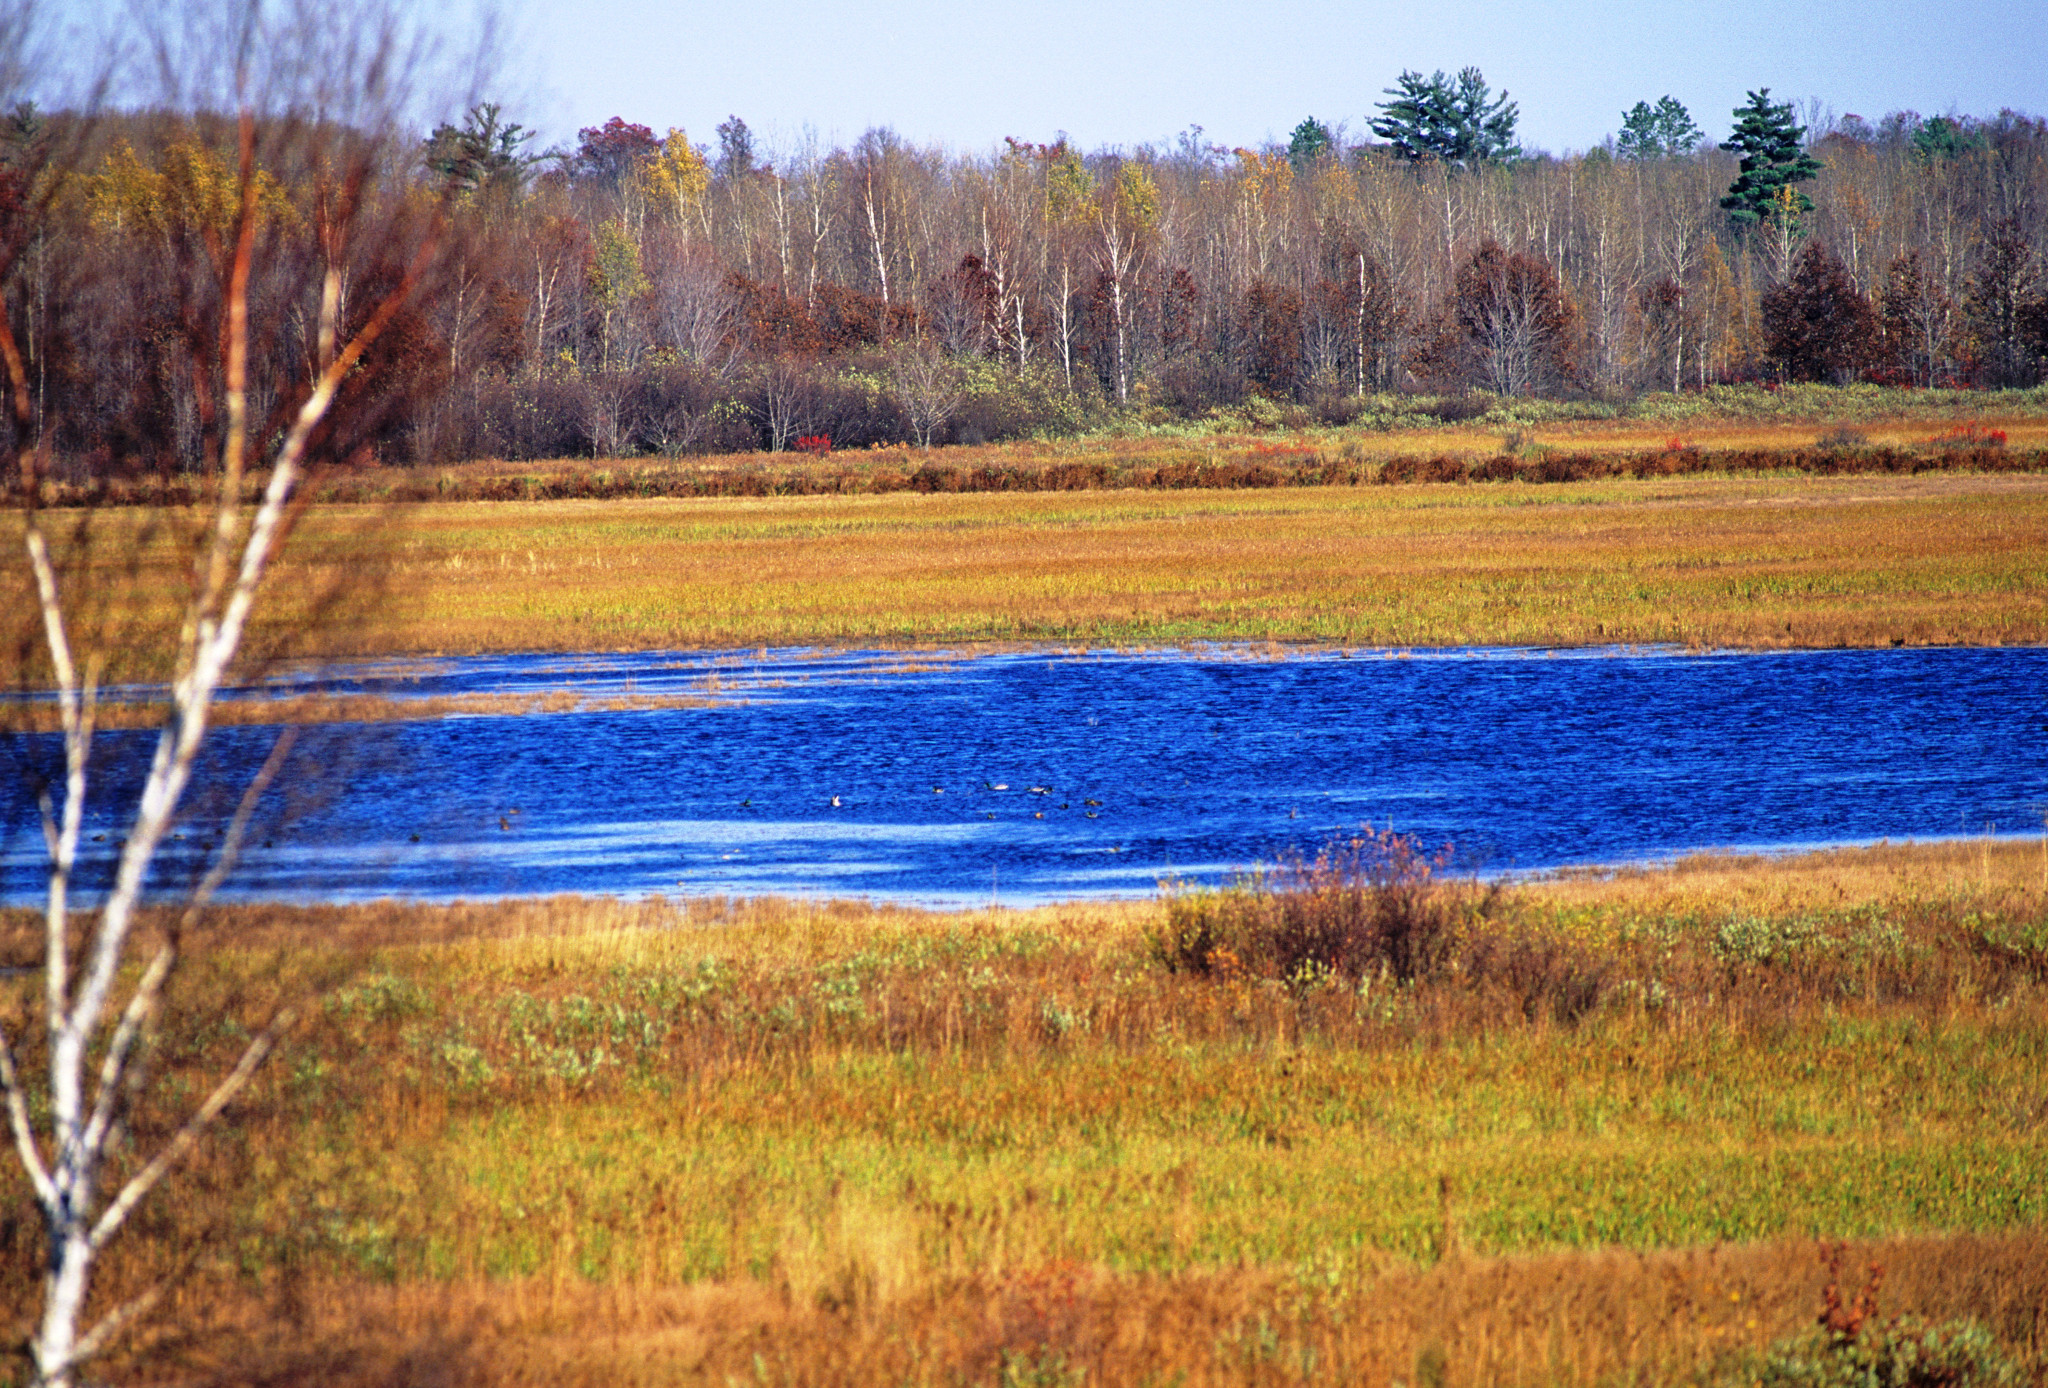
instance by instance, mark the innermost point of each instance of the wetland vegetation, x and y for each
(1586, 1131)
(1593, 1136)
(1735, 1121)
(1710, 561)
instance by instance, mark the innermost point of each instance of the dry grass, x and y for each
(1556, 1319)
(1795, 561)
(584, 1141)
(360, 708)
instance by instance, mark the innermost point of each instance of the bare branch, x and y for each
(145, 1180)
(191, 697)
(19, 402)
(192, 694)
(234, 447)
(53, 623)
(75, 709)
(111, 1324)
(238, 827)
(149, 991)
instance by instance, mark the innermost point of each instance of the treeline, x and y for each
(643, 294)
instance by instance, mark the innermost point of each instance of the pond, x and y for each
(1039, 775)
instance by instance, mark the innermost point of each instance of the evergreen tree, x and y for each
(1768, 139)
(1654, 132)
(1940, 138)
(482, 155)
(1457, 121)
(1311, 138)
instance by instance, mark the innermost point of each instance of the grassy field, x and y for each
(1753, 562)
(1595, 1142)
(1599, 1129)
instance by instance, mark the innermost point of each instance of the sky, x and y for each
(965, 75)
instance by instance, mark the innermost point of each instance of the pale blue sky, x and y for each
(966, 75)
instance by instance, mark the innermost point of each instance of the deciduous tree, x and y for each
(1916, 319)
(1817, 324)
(2003, 287)
(354, 260)
(677, 179)
(1126, 211)
(929, 388)
(1517, 322)
(614, 152)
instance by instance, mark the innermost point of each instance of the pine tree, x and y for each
(1458, 122)
(482, 155)
(1310, 139)
(1660, 131)
(1773, 158)
(1941, 138)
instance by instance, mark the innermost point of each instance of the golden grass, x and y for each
(1711, 435)
(1548, 1320)
(361, 708)
(1793, 562)
(1772, 562)
(593, 1141)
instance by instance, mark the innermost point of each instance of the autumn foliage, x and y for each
(643, 294)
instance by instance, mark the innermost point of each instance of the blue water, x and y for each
(1188, 764)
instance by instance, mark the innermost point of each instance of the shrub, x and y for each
(1541, 976)
(1849, 1348)
(1371, 902)
(1967, 436)
(1905, 1352)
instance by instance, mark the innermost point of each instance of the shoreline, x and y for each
(248, 704)
(1678, 863)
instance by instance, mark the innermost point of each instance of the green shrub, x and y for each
(1850, 1348)
(1902, 1353)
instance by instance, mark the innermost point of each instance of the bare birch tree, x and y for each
(928, 385)
(318, 97)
